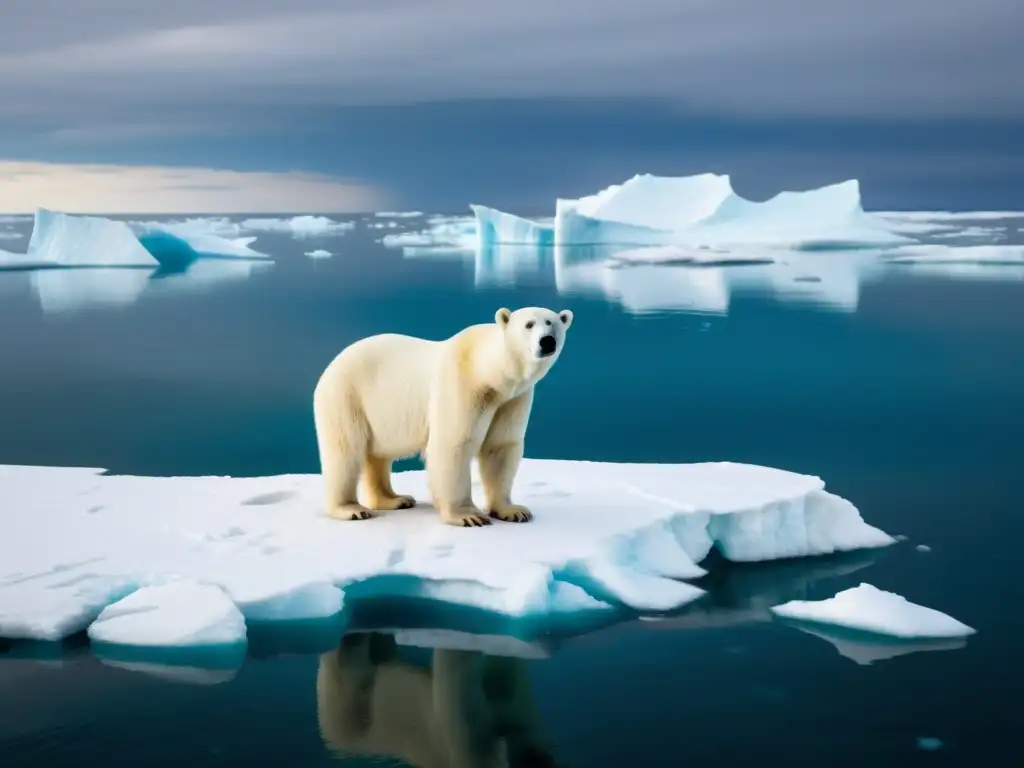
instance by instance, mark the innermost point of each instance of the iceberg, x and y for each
(494, 226)
(866, 608)
(319, 253)
(399, 214)
(178, 614)
(606, 537)
(299, 226)
(61, 240)
(700, 210)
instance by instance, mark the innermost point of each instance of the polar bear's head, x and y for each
(534, 333)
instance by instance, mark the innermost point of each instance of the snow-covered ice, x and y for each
(299, 226)
(604, 535)
(866, 608)
(180, 614)
(698, 210)
(319, 253)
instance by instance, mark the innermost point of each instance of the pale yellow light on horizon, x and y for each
(111, 189)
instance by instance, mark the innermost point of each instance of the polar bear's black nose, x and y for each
(547, 345)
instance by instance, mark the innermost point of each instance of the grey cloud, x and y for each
(863, 58)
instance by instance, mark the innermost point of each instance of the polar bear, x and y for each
(468, 710)
(391, 396)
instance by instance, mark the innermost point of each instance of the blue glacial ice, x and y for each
(697, 210)
(84, 541)
(61, 240)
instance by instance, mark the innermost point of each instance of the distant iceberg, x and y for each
(299, 226)
(701, 210)
(61, 240)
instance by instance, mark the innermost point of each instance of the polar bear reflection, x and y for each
(470, 710)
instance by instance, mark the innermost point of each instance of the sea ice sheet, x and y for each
(179, 614)
(866, 608)
(604, 534)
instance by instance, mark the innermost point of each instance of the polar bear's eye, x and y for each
(529, 325)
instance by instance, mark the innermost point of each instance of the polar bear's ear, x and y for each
(502, 316)
(566, 317)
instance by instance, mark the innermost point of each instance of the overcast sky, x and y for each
(168, 83)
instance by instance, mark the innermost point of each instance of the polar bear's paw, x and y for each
(389, 503)
(352, 512)
(513, 513)
(465, 517)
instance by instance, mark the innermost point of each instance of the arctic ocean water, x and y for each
(903, 390)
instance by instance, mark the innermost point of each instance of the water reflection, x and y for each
(467, 710)
(827, 280)
(66, 291)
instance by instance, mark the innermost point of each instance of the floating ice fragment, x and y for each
(177, 614)
(869, 609)
(299, 226)
(319, 253)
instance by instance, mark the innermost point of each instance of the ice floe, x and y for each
(179, 614)
(866, 608)
(606, 536)
(319, 253)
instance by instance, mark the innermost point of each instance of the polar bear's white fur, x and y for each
(391, 396)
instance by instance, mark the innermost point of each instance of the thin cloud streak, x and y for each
(25, 186)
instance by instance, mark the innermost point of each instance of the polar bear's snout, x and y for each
(547, 345)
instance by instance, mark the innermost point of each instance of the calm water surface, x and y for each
(902, 388)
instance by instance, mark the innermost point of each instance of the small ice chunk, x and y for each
(923, 548)
(299, 226)
(456, 233)
(929, 743)
(869, 609)
(178, 614)
(319, 253)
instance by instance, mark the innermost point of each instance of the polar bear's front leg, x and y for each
(499, 458)
(457, 425)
